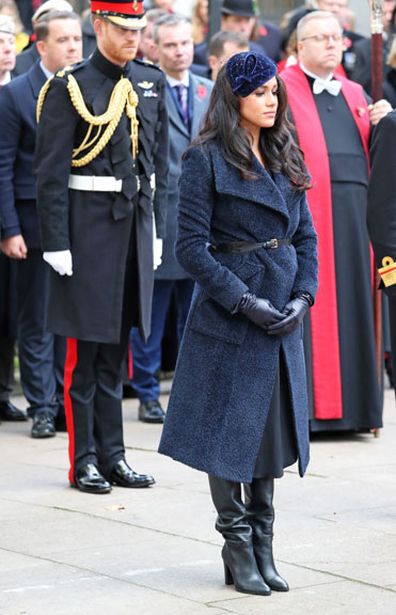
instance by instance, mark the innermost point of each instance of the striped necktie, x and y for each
(182, 99)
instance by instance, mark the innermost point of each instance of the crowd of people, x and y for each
(151, 177)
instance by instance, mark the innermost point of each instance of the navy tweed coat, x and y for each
(227, 365)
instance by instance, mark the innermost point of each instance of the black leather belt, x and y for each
(246, 246)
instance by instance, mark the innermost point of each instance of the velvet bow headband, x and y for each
(248, 70)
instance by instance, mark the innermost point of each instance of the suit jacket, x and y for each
(97, 226)
(25, 60)
(179, 140)
(226, 366)
(18, 128)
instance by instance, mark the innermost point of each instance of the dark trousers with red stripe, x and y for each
(93, 390)
(93, 403)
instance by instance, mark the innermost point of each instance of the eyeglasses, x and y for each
(321, 38)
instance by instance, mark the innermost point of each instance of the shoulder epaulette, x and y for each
(147, 64)
(68, 70)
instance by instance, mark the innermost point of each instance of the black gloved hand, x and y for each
(294, 313)
(259, 311)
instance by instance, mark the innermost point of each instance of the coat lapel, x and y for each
(173, 114)
(264, 190)
(36, 79)
(199, 102)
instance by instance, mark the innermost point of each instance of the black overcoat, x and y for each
(381, 207)
(97, 226)
(227, 366)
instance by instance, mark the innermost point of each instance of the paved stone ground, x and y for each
(155, 551)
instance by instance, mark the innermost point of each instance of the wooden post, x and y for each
(376, 27)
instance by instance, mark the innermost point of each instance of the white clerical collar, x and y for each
(332, 86)
(308, 72)
(45, 70)
(185, 81)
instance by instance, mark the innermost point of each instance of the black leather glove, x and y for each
(294, 313)
(259, 311)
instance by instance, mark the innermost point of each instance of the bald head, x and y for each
(319, 43)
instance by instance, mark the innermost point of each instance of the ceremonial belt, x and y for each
(246, 246)
(95, 183)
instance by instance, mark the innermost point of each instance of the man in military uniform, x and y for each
(101, 161)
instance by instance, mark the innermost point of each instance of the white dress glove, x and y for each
(61, 261)
(157, 248)
(157, 253)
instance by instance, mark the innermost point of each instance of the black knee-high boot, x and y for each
(260, 514)
(240, 566)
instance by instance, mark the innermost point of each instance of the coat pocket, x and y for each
(211, 319)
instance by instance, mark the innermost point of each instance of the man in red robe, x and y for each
(332, 119)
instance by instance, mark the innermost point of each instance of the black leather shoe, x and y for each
(123, 476)
(151, 412)
(43, 426)
(89, 480)
(9, 412)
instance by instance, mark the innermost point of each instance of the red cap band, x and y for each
(135, 9)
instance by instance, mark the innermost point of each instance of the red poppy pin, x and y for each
(202, 90)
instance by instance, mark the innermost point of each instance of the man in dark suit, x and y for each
(101, 156)
(30, 54)
(187, 97)
(40, 354)
(8, 411)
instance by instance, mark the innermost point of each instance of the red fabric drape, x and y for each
(324, 318)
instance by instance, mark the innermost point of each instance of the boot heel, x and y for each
(228, 579)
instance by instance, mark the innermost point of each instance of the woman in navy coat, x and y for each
(238, 408)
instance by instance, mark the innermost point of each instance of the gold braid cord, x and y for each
(123, 98)
(41, 98)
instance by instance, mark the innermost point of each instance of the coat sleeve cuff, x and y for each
(11, 231)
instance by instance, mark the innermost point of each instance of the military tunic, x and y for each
(109, 234)
(96, 226)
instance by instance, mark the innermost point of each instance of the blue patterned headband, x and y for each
(248, 70)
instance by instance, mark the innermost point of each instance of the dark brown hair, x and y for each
(218, 40)
(41, 28)
(222, 124)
